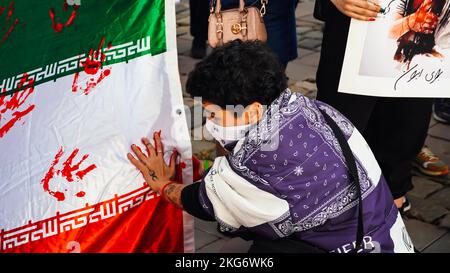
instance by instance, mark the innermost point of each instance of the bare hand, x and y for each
(358, 9)
(152, 166)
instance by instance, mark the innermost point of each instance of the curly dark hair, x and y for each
(238, 73)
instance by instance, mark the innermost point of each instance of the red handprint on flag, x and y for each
(69, 173)
(12, 108)
(92, 65)
(8, 17)
(58, 27)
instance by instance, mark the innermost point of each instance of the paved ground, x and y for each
(429, 220)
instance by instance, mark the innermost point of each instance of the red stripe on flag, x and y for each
(138, 221)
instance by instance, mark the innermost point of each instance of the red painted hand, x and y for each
(69, 173)
(13, 108)
(58, 27)
(8, 17)
(92, 65)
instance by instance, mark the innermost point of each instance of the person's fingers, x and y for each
(172, 162)
(431, 17)
(363, 12)
(173, 157)
(366, 5)
(359, 17)
(138, 164)
(158, 144)
(426, 5)
(430, 26)
(150, 149)
(140, 155)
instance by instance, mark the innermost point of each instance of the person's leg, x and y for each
(281, 29)
(441, 110)
(199, 14)
(430, 164)
(426, 161)
(396, 134)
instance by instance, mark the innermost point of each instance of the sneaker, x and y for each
(441, 110)
(406, 206)
(430, 164)
(198, 49)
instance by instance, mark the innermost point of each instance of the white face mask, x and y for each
(227, 135)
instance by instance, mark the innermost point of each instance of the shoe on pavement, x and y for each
(441, 110)
(406, 206)
(429, 164)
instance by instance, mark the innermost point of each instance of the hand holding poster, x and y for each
(405, 52)
(80, 82)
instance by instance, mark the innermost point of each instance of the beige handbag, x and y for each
(242, 23)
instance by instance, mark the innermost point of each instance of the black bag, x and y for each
(293, 245)
(321, 9)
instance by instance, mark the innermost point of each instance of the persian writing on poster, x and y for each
(405, 52)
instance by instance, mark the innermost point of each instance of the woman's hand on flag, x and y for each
(152, 165)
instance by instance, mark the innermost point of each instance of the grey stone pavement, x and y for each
(428, 222)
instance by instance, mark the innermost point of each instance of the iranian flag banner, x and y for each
(80, 82)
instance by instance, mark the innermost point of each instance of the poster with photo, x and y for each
(405, 52)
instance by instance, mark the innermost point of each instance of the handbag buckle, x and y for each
(236, 28)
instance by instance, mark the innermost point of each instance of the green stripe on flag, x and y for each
(132, 27)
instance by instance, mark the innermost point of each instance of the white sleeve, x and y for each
(237, 202)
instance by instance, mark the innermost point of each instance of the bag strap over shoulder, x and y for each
(353, 171)
(291, 244)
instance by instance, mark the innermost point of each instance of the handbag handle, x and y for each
(353, 171)
(218, 8)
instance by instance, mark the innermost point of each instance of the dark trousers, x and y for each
(395, 128)
(281, 29)
(199, 14)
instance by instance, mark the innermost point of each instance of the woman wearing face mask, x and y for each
(285, 183)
